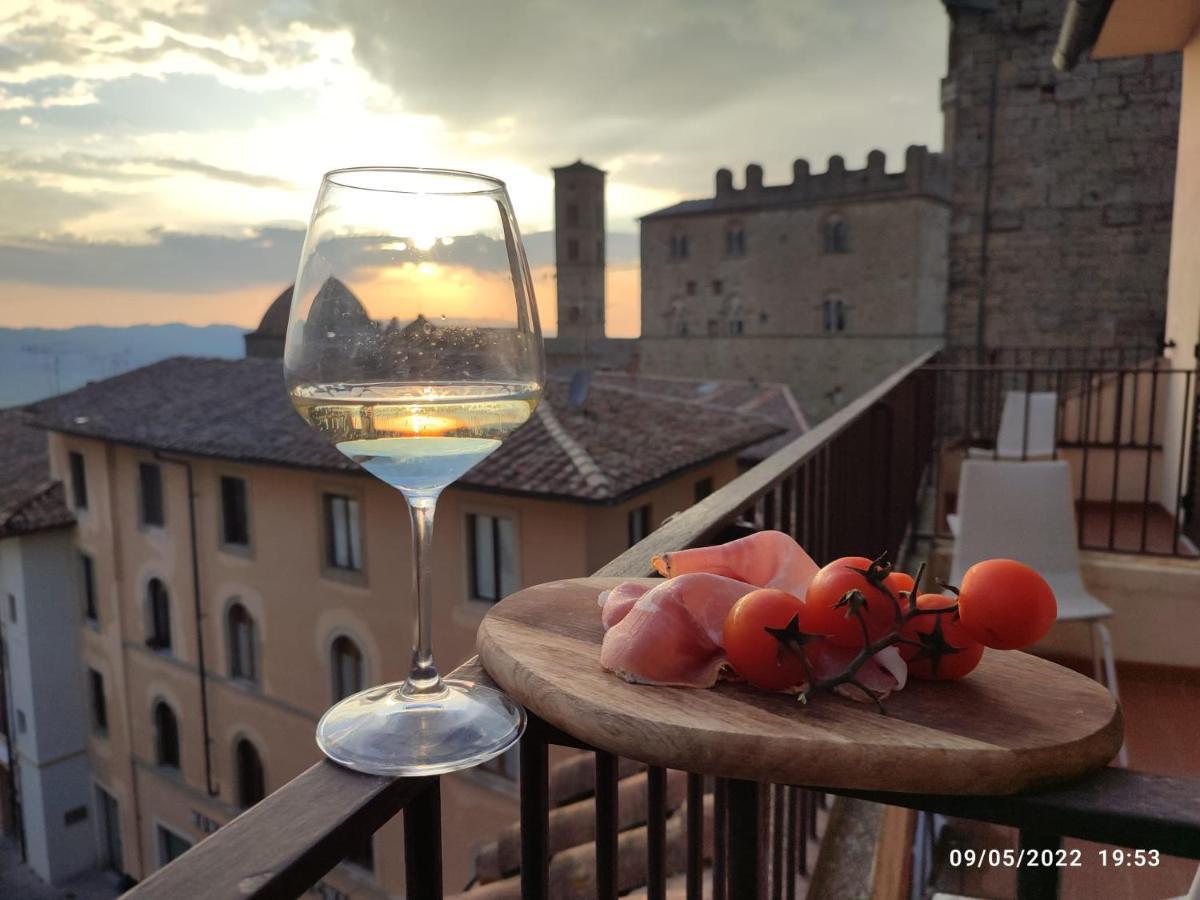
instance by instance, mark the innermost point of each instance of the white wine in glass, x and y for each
(414, 347)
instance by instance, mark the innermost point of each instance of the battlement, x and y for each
(925, 173)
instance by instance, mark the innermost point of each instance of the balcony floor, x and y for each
(1123, 523)
(1162, 728)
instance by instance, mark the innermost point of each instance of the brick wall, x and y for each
(1082, 181)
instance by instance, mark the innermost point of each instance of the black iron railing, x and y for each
(1126, 431)
(852, 481)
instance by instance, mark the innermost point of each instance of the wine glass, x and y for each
(414, 346)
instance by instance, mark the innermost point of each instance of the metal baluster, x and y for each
(720, 873)
(1149, 455)
(607, 818)
(1190, 416)
(743, 839)
(776, 841)
(423, 844)
(793, 837)
(802, 830)
(535, 811)
(1038, 882)
(695, 837)
(1116, 462)
(1087, 442)
(656, 833)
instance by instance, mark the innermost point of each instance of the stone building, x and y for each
(579, 250)
(827, 283)
(1074, 174)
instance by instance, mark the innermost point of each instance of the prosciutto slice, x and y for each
(765, 559)
(671, 633)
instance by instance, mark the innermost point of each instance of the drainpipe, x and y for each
(200, 669)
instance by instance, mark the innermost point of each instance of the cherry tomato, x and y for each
(901, 586)
(753, 652)
(952, 656)
(829, 586)
(1005, 604)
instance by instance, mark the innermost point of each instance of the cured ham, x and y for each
(766, 559)
(670, 634)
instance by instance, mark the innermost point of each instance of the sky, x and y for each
(159, 160)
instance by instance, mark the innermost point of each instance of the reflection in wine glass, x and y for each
(414, 346)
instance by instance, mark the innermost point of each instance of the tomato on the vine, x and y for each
(833, 582)
(1005, 604)
(755, 654)
(946, 652)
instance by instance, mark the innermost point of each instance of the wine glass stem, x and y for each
(423, 680)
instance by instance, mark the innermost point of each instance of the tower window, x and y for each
(572, 250)
(718, 286)
(572, 214)
(690, 287)
(735, 240)
(833, 315)
(836, 235)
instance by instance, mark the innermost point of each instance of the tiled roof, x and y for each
(29, 500)
(683, 208)
(772, 400)
(621, 441)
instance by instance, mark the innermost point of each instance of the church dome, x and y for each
(267, 339)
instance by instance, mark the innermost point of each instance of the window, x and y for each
(363, 855)
(171, 846)
(166, 736)
(251, 784)
(343, 545)
(690, 288)
(572, 250)
(110, 828)
(492, 550)
(638, 523)
(713, 326)
(150, 489)
(243, 644)
(507, 765)
(833, 315)
(99, 704)
(718, 286)
(12, 609)
(346, 664)
(735, 241)
(737, 326)
(79, 493)
(89, 588)
(572, 214)
(703, 488)
(683, 328)
(235, 527)
(158, 616)
(679, 246)
(836, 235)
(21, 721)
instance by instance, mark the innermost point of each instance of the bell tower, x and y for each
(579, 251)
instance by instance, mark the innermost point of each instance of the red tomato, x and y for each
(753, 652)
(831, 584)
(950, 658)
(901, 586)
(1005, 605)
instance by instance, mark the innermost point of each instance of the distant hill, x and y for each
(41, 362)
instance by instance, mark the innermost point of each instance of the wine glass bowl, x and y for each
(413, 345)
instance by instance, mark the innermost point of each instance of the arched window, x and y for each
(243, 644)
(346, 664)
(158, 616)
(251, 783)
(166, 736)
(836, 234)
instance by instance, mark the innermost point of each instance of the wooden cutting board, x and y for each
(1016, 722)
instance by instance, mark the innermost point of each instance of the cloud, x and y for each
(27, 207)
(137, 168)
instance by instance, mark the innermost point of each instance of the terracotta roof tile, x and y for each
(29, 500)
(619, 442)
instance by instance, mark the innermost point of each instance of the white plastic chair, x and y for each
(1012, 441)
(1026, 511)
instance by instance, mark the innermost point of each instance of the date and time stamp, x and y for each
(1013, 858)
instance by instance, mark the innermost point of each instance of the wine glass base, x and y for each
(382, 732)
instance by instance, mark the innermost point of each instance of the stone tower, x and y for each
(579, 251)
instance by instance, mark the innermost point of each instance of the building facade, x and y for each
(243, 576)
(1074, 170)
(826, 283)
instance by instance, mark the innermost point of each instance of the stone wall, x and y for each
(1081, 185)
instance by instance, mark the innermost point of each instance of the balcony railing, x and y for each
(852, 481)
